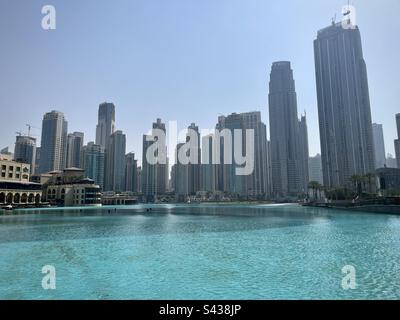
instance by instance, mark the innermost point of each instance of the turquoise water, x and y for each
(200, 252)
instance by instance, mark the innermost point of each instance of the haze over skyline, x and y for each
(178, 60)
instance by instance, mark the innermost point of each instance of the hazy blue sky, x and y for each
(184, 60)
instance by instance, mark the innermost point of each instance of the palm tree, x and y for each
(370, 177)
(314, 186)
(357, 182)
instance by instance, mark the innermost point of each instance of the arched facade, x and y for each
(20, 198)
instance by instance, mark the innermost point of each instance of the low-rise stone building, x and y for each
(70, 188)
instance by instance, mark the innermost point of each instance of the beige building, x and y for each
(15, 188)
(70, 188)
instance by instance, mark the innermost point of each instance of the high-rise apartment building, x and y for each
(25, 151)
(379, 146)
(303, 153)
(93, 159)
(315, 169)
(131, 172)
(115, 171)
(347, 146)
(256, 183)
(286, 156)
(74, 149)
(397, 141)
(106, 124)
(53, 150)
(154, 176)
(194, 168)
(181, 176)
(208, 169)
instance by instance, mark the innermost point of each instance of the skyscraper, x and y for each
(304, 153)
(131, 172)
(256, 183)
(74, 148)
(154, 176)
(37, 166)
(343, 105)
(284, 129)
(115, 171)
(397, 141)
(181, 176)
(390, 161)
(379, 146)
(105, 128)
(194, 168)
(25, 151)
(229, 181)
(139, 179)
(54, 142)
(93, 162)
(106, 123)
(315, 169)
(208, 169)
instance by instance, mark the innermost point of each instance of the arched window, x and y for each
(9, 199)
(24, 198)
(17, 198)
(31, 198)
(2, 197)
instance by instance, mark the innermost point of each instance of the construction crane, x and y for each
(30, 127)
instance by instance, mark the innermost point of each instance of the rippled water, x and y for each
(200, 252)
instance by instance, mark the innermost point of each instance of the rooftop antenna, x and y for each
(348, 9)
(334, 19)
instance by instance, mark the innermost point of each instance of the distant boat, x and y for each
(8, 208)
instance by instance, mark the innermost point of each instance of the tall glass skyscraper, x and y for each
(255, 184)
(115, 172)
(131, 172)
(106, 123)
(93, 162)
(286, 155)
(379, 146)
(154, 176)
(74, 148)
(53, 150)
(105, 128)
(397, 141)
(304, 154)
(343, 105)
(25, 151)
(194, 168)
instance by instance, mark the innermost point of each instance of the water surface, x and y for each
(199, 252)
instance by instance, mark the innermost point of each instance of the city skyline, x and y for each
(81, 111)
